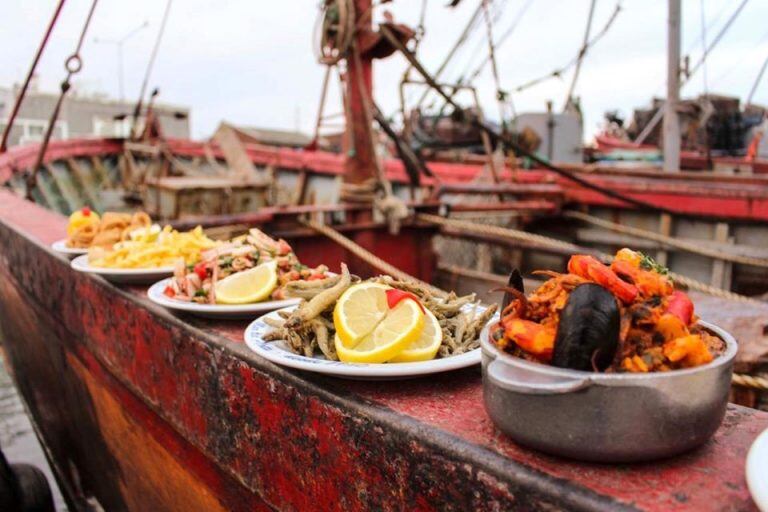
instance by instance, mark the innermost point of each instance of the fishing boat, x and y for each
(140, 409)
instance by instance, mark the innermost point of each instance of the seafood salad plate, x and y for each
(248, 275)
(377, 329)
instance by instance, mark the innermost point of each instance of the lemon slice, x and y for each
(252, 285)
(426, 345)
(359, 310)
(399, 328)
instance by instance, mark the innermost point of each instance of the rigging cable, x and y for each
(73, 65)
(510, 142)
(479, 69)
(30, 74)
(704, 48)
(757, 81)
(559, 72)
(501, 96)
(660, 112)
(580, 58)
(470, 27)
(150, 64)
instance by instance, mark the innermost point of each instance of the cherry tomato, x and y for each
(201, 271)
(395, 296)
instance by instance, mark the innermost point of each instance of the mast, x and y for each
(360, 164)
(671, 128)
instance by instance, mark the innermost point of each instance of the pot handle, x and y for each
(521, 380)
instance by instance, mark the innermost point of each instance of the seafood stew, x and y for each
(622, 317)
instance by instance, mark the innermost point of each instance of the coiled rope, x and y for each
(369, 257)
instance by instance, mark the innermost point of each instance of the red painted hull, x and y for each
(713, 196)
(142, 410)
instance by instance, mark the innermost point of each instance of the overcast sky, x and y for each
(251, 61)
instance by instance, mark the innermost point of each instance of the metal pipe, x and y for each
(28, 79)
(671, 128)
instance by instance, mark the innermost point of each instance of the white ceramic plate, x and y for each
(277, 352)
(757, 471)
(61, 247)
(122, 275)
(221, 311)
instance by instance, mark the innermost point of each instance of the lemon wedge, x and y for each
(400, 327)
(359, 311)
(252, 285)
(426, 345)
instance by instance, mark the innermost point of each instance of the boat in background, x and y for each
(140, 409)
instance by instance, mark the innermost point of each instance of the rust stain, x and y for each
(152, 479)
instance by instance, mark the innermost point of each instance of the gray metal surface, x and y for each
(606, 417)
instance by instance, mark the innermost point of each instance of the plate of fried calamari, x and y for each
(143, 254)
(241, 278)
(375, 329)
(86, 229)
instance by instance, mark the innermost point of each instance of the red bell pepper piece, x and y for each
(168, 291)
(681, 306)
(395, 296)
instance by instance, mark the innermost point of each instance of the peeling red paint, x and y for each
(301, 442)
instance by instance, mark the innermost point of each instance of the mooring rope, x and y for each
(369, 257)
(667, 240)
(545, 241)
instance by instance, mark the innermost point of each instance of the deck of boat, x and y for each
(154, 411)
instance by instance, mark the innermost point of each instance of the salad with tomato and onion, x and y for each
(197, 282)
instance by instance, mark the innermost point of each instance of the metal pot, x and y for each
(606, 417)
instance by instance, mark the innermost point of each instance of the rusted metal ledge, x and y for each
(165, 411)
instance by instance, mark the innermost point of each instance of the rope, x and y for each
(501, 96)
(150, 65)
(544, 241)
(511, 142)
(502, 39)
(459, 42)
(73, 65)
(669, 241)
(30, 74)
(750, 381)
(559, 72)
(580, 57)
(368, 256)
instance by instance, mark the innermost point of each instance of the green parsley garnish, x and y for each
(648, 263)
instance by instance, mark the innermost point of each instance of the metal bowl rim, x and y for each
(727, 357)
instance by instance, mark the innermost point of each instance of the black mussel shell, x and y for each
(588, 331)
(515, 281)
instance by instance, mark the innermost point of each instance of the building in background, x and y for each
(91, 115)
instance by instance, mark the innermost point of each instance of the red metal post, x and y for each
(360, 163)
